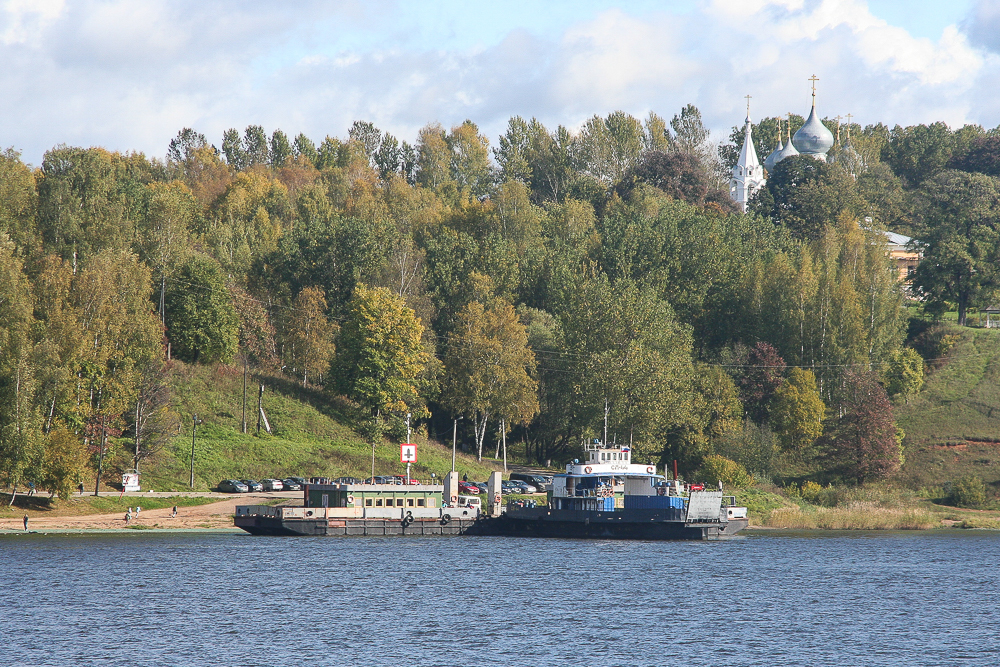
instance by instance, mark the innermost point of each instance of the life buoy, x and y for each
(496, 497)
(350, 500)
(661, 491)
(588, 470)
(454, 499)
(650, 469)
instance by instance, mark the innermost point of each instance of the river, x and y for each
(145, 598)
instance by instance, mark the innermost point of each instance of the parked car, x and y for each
(301, 481)
(291, 485)
(232, 486)
(381, 479)
(507, 488)
(253, 485)
(273, 485)
(401, 479)
(347, 480)
(483, 486)
(540, 482)
(468, 488)
(524, 486)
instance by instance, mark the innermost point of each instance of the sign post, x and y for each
(408, 455)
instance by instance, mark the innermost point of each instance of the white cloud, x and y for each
(129, 75)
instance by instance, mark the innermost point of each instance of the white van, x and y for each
(470, 501)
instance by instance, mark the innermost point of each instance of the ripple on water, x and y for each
(189, 599)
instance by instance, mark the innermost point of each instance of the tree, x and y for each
(232, 148)
(959, 230)
(760, 372)
(489, 367)
(864, 444)
(983, 157)
(18, 201)
(281, 150)
(918, 152)
(797, 411)
(807, 195)
(904, 373)
(305, 148)
(201, 323)
(717, 469)
(255, 149)
(18, 419)
(310, 335)
(64, 462)
(379, 355)
(184, 146)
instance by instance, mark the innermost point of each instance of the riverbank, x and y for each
(195, 511)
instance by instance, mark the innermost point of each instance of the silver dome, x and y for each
(813, 138)
(772, 158)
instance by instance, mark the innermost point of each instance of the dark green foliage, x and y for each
(969, 491)
(232, 148)
(807, 195)
(201, 323)
(183, 146)
(959, 226)
(281, 150)
(918, 152)
(983, 156)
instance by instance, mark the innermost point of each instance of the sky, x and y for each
(129, 74)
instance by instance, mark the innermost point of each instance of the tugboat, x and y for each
(610, 497)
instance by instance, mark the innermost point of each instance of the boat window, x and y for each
(399, 502)
(378, 502)
(420, 502)
(409, 502)
(368, 502)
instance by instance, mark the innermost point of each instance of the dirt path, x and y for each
(215, 515)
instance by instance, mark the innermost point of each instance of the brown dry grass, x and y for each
(856, 516)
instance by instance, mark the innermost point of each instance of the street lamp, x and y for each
(194, 429)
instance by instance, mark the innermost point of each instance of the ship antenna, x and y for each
(605, 442)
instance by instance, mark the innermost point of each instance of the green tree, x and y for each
(201, 323)
(18, 201)
(489, 367)
(717, 469)
(797, 411)
(19, 446)
(904, 372)
(232, 148)
(64, 462)
(969, 491)
(918, 152)
(959, 229)
(281, 149)
(380, 357)
(305, 148)
(309, 334)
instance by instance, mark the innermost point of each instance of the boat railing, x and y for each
(599, 492)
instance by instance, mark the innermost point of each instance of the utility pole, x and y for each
(408, 442)
(244, 420)
(194, 430)
(100, 459)
(260, 406)
(454, 440)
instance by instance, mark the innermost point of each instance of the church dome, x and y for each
(787, 151)
(813, 138)
(772, 158)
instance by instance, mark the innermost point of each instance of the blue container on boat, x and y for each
(653, 502)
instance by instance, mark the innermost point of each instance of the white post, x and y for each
(407, 442)
(503, 434)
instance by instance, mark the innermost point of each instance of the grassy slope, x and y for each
(960, 401)
(309, 437)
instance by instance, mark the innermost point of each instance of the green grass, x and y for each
(953, 425)
(80, 505)
(311, 436)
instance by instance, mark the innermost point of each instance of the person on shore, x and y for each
(128, 516)
(26, 522)
(173, 515)
(80, 487)
(137, 508)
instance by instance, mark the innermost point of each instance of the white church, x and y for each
(749, 175)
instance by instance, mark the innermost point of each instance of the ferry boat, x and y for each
(609, 496)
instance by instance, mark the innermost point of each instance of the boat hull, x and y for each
(266, 525)
(618, 525)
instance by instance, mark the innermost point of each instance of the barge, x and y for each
(610, 497)
(362, 509)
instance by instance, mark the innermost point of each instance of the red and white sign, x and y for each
(408, 452)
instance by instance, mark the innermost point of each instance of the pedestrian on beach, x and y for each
(80, 486)
(137, 508)
(174, 514)
(128, 516)
(26, 522)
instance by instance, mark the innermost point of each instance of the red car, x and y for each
(468, 489)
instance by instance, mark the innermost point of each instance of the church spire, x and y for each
(748, 174)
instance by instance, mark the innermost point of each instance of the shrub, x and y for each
(969, 491)
(717, 469)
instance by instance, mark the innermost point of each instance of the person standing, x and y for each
(26, 522)
(174, 514)
(128, 516)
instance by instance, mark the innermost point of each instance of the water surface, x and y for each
(920, 598)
